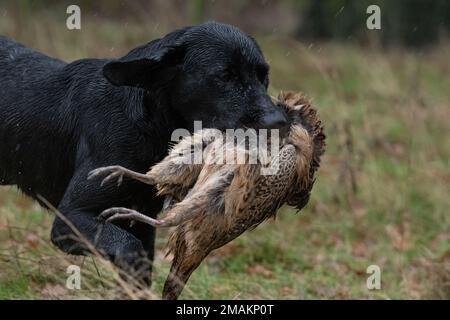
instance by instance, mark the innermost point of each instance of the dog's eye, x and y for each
(226, 75)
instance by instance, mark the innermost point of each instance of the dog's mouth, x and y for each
(260, 127)
(280, 123)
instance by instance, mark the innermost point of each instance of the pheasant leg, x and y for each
(173, 218)
(118, 172)
(112, 214)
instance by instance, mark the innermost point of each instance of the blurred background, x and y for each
(382, 194)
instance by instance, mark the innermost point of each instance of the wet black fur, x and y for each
(60, 120)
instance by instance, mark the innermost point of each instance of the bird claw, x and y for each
(110, 172)
(113, 214)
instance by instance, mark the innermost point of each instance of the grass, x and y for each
(381, 196)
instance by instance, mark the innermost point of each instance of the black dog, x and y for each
(59, 121)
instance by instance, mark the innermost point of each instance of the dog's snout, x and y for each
(272, 116)
(274, 120)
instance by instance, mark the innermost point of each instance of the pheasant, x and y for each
(210, 203)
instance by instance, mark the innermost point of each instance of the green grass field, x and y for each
(382, 195)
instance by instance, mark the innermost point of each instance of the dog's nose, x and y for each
(274, 120)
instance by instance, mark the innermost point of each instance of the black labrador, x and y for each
(59, 121)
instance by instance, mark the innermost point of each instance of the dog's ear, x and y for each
(147, 72)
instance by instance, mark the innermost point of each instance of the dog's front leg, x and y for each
(77, 230)
(80, 234)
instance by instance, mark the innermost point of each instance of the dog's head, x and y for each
(213, 72)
